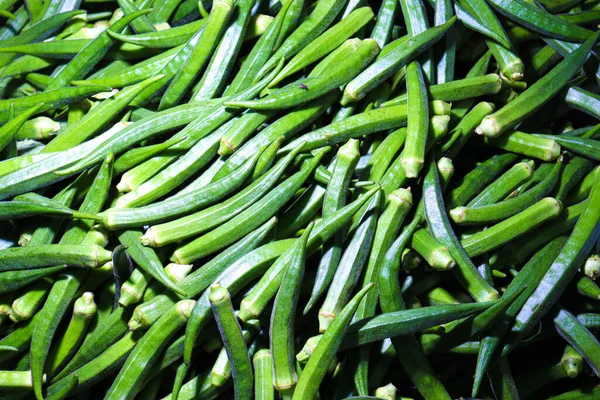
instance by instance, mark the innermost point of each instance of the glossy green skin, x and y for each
(352, 127)
(233, 341)
(13, 280)
(213, 216)
(263, 388)
(23, 209)
(141, 24)
(484, 214)
(222, 62)
(316, 368)
(175, 174)
(387, 66)
(575, 170)
(538, 20)
(282, 326)
(249, 219)
(537, 94)
(518, 252)
(141, 130)
(404, 322)
(473, 13)
(94, 120)
(25, 64)
(439, 226)
(563, 269)
(583, 100)
(578, 336)
(134, 157)
(130, 378)
(529, 277)
(244, 127)
(262, 50)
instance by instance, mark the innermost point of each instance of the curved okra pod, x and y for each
(26, 306)
(439, 226)
(512, 227)
(573, 254)
(264, 47)
(282, 324)
(162, 234)
(436, 255)
(334, 199)
(537, 94)
(298, 93)
(221, 64)
(169, 38)
(507, 208)
(178, 205)
(250, 218)
(417, 128)
(388, 65)
(316, 368)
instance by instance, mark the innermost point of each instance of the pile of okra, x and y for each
(297, 200)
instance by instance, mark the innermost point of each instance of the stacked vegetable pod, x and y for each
(298, 200)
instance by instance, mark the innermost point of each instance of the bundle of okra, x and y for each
(299, 200)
